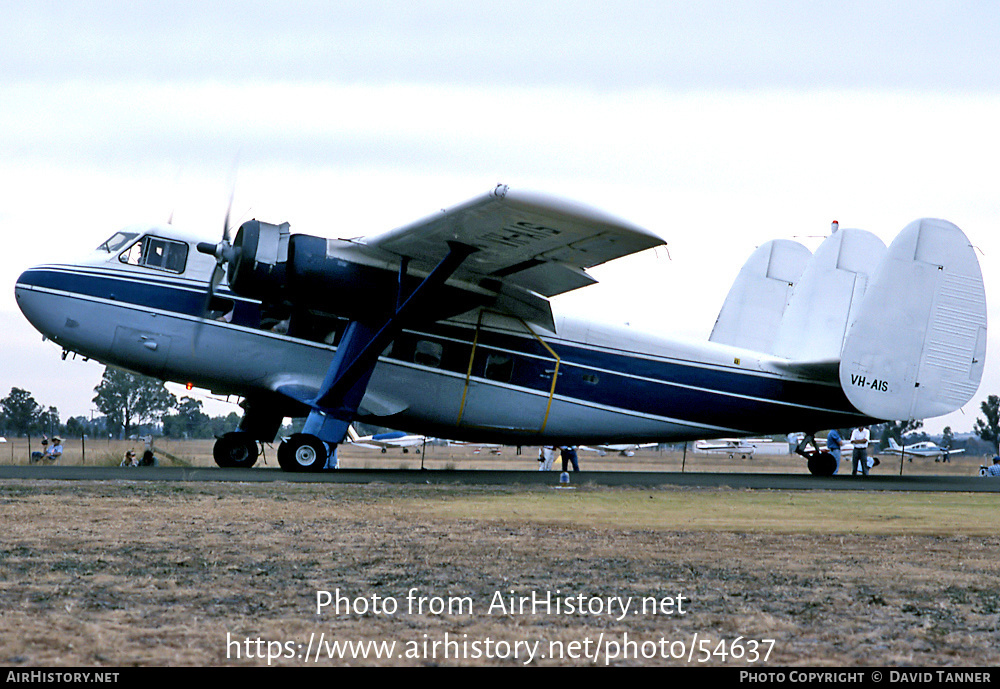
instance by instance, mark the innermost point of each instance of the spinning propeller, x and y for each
(223, 252)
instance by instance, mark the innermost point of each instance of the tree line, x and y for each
(130, 404)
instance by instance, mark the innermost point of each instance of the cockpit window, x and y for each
(156, 252)
(117, 241)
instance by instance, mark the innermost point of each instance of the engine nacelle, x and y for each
(307, 272)
(258, 268)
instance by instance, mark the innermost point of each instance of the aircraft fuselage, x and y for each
(480, 376)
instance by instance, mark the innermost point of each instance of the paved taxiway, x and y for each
(964, 484)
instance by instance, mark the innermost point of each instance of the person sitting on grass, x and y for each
(55, 450)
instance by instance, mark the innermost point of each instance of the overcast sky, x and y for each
(719, 125)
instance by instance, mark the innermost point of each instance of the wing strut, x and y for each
(343, 376)
(357, 354)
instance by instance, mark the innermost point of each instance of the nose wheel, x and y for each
(303, 452)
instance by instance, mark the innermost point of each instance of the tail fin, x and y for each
(827, 296)
(917, 345)
(756, 302)
(893, 445)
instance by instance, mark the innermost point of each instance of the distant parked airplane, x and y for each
(622, 450)
(744, 447)
(921, 449)
(385, 441)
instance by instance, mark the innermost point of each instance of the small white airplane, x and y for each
(492, 448)
(623, 450)
(391, 440)
(445, 328)
(921, 449)
(744, 447)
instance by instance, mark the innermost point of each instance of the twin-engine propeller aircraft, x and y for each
(444, 327)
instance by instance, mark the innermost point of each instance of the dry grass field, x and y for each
(123, 573)
(199, 453)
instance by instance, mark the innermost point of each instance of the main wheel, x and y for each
(236, 450)
(822, 464)
(302, 452)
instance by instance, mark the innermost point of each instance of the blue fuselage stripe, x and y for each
(650, 385)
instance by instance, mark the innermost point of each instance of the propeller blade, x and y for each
(217, 274)
(213, 283)
(229, 209)
(223, 252)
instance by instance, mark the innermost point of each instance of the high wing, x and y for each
(528, 240)
(505, 250)
(529, 246)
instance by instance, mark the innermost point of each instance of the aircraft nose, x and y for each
(22, 292)
(30, 295)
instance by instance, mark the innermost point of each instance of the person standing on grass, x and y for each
(833, 443)
(569, 457)
(860, 439)
(546, 457)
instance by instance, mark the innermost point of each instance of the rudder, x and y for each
(917, 347)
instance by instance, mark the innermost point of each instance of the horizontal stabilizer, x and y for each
(826, 371)
(917, 345)
(754, 306)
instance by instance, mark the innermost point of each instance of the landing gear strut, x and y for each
(339, 396)
(235, 450)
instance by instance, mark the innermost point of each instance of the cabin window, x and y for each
(156, 252)
(428, 353)
(499, 367)
(117, 241)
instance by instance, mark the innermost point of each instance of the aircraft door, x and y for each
(142, 350)
(508, 390)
